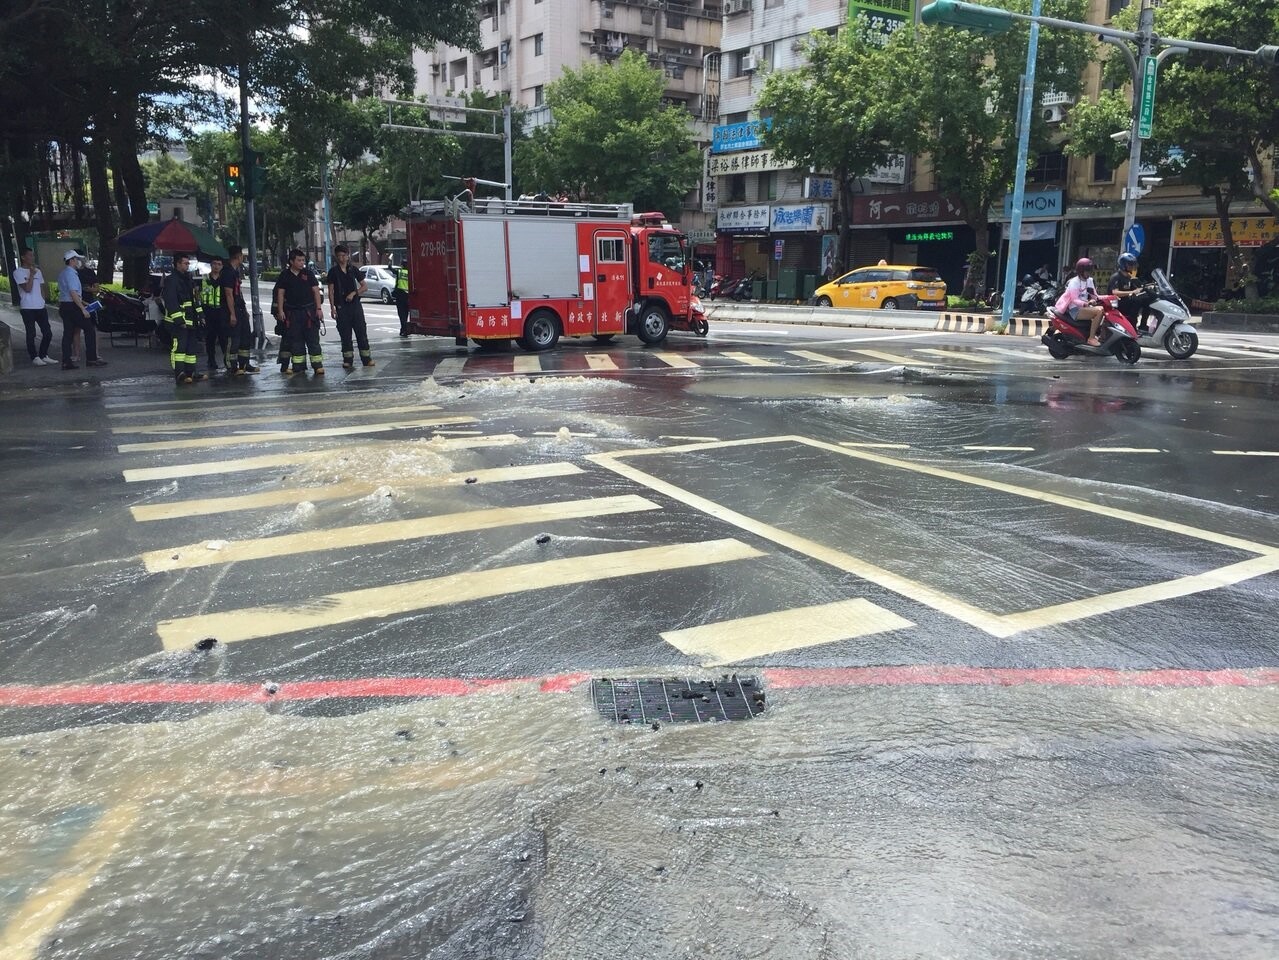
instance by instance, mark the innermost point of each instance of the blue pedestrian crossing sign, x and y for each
(1134, 240)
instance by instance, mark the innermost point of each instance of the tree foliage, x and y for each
(612, 140)
(834, 114)
(961, 91)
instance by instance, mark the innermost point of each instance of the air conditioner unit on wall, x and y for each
(1055, 114)
(736, 6)
(749, 63)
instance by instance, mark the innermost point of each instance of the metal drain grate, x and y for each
(678, 700)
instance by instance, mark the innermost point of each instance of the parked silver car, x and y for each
(380, 281)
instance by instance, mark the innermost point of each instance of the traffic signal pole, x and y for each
(259, 328)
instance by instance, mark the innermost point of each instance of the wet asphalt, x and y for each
(693, 509)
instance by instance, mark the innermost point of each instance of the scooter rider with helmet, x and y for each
(1078, 300)
(1124, 284)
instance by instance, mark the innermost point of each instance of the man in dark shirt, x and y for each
(1124, 284)
(183, 313)
(346, 284)
(240, 328)
(297, 297)
(216, 326)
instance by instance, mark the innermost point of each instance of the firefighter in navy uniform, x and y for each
(402, 298)
(239, 326)
(297, 297)
(216, 327)
(183, 314)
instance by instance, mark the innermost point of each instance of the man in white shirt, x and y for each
(32, 294)
(75, 314)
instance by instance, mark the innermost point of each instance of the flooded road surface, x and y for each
(302, 669)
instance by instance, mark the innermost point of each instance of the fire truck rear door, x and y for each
(612, 280)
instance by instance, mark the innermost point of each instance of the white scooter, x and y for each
(1168, 327)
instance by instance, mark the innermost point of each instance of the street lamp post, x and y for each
(983, 19)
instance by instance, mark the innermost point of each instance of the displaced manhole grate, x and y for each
(678, 700)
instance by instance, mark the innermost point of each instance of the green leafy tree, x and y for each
(365, 200)
(1216, 117)
(612, 140)
(961, 89)
(834, 113)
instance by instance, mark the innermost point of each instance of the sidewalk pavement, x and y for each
(122, 357)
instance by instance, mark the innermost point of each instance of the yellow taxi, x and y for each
(891, 287)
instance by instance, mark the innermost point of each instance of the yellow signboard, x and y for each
(1206, 232)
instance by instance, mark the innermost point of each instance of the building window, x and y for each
(1102, 171)
(539, 95)
(1049, 168)
(768, 56)
(768, 186)
(537, 45)
(1114, 6)
(737, 187)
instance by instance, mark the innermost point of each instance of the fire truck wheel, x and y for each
(541, 331)
(603, 337)
(653, 324)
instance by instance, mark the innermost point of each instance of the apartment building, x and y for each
(771, 218)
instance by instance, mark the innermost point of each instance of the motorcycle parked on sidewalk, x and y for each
(1117, 336)
(719, 286)
(745, 287)
(1038, 295)
(1167, 326)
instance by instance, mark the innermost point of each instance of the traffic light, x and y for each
(232, 180)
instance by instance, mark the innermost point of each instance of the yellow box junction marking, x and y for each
(182, 509)
(234, 551)
(280, 436)
(377, 602)
(998, 625)
(736, 641)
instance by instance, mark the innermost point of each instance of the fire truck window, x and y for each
(665, 249)
(610, 250)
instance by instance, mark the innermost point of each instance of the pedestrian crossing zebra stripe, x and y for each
(257, 400)
(274, 460)
(264, 548)
(174, 426)
(183, 509)
(286, 436)
(254, 623)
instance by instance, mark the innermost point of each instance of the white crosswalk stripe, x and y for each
(286, 436)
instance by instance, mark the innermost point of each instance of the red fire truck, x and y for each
(492, 269)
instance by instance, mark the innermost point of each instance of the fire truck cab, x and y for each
(533, 271)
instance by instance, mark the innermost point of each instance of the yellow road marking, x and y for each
(449, 367)
(894, 358)
(672, 359)
(376, 602)
(234, 551)
(278, 436)
(31, 924)
(526, 364)
(956, 355)
(1247, 453)
(998, 625)
(600, 361)
(1019, 354)
(749, 359)
(885, 446)
(269, 461)
(736, 641)
(819, 357)
(1018, 449)
(273, 498)
(277, 418)
(1124, 450)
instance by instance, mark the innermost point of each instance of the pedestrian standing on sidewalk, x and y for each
(75, 314)
(240, 327)
(298, 298)
(402, 298)
(217, 328)
(346, 285)
(33, 293)
(183, 314)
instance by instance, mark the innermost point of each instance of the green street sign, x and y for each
(153, 207)
(1146, 111)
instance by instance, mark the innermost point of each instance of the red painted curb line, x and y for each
(780, 678)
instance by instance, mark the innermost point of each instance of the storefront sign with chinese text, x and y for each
(799, 217)
(819, 188)
(929, 236)
(1206, 232)
(710, 197)
(893, 170)
(750, 219)
(891, 208)
(754, 161)
(739, 136)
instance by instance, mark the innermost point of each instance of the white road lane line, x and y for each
(257, 400)
(600, 361)
(1247, 453)
(672, 359)
(885, 446)
(252, 623)
(671, 436)
(955, 355)
(277, 418)
(360, 535)
(740, 640)
(1035, 355)
(1124, 450)
(184, 509)
(1000, 449)
(449, 367)
(818, 357)
(270, 461)
(895, 358)
(284, 436)
(526, 364)
(749, 359)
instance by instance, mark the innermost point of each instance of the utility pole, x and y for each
(328, 215)
(259, 328)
